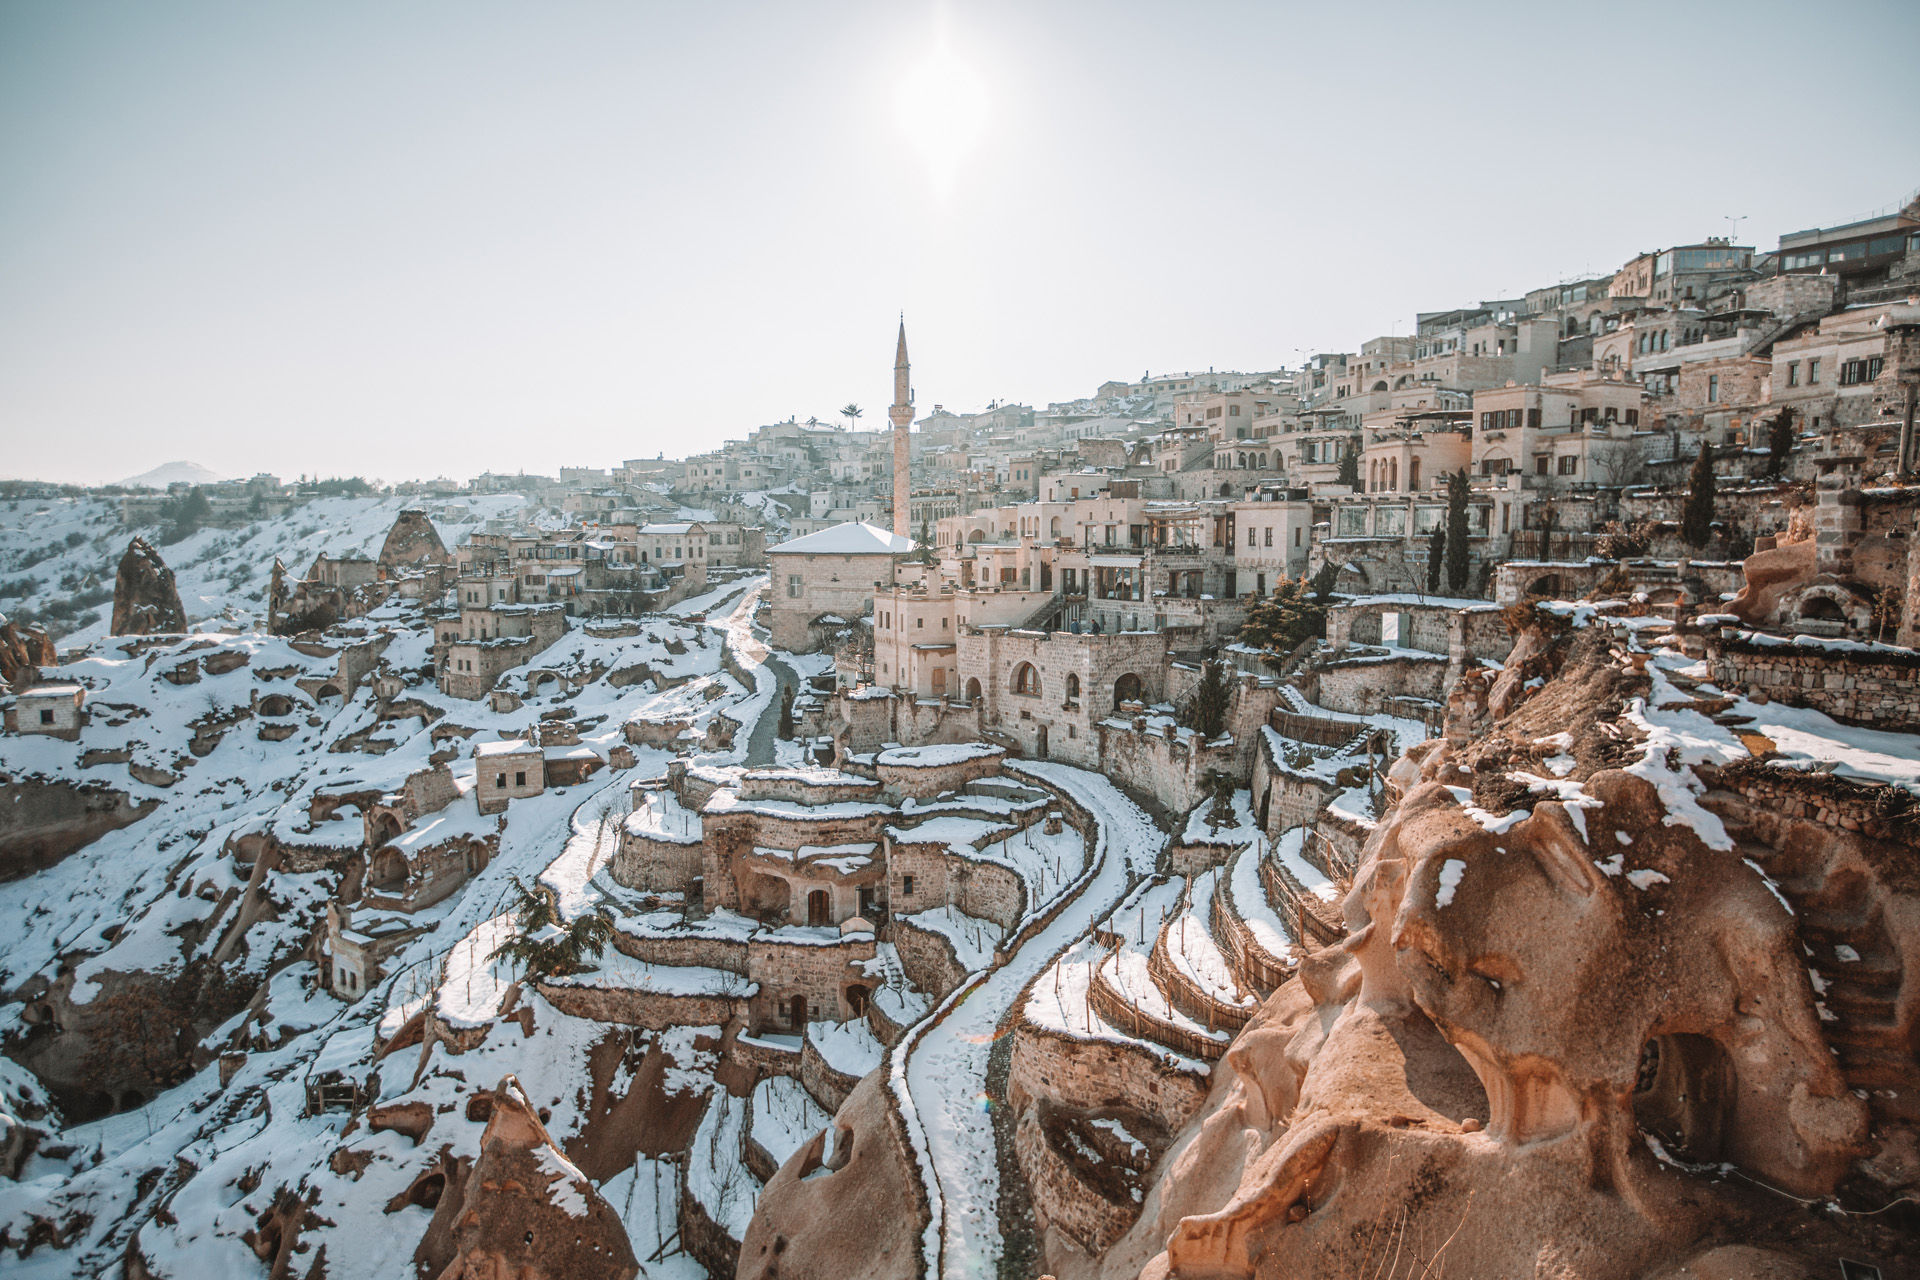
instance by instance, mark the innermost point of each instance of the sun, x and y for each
(943, 112)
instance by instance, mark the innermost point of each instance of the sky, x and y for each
(439, 238)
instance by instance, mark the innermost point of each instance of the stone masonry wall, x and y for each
(1854, 686)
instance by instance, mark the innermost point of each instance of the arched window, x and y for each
(1128, 688)
(1393, 474)
(1026, 680)
(1073, 688)
(1242, 459)
(1413, 475)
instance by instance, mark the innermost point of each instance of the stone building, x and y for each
(56, 710)
(828, 575)
(490, 640)
(511, 769)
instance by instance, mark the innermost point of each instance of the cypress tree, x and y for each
(784, 730)
(1350, 464)
(1696, 518)
(1210, 702)
(1457, 567)
(1436, 554)
(1779, 441)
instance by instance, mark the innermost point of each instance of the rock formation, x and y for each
(145, 599)
(412, 542)
(23, 651)
(522, 1210)
(1574, 1035)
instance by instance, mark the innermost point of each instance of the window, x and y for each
(1540, 463)
(793, 586)
(906, 886)
(920, 624)
(1026, 680)
(1296, 536)
(46, 717)
(1533, 419)
(1269, 541)
(1813, 373)
(1569, 465)
(1073, 689)
(1713, 388)
(500, 780)
(1390, 522)
(1793, 373)
(1353, 522)
(1855, 372)
(520, 778)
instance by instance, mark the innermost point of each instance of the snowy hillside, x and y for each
(58, 556)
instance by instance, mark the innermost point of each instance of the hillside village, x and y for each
(1409, 801)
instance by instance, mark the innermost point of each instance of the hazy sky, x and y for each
(419, 239)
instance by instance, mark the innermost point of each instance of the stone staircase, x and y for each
(1855, 968)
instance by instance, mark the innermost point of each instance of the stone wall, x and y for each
(655, 865)
(653, 1010)
(1101, 1073)
(1362, 686)
(826, 584)
(927, 959)
(703, 950)
(1878, 687)
(822, 1082)
(820, 974)
(1167, 767)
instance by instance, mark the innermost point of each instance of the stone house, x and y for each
(831, 574)
(511, 769)
(491, 640)
(56, 710)
(1273, 535)
(358, 949)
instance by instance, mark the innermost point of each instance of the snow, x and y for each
(939, 755)
(715, 1175)
(938, 1070)
(1498, 824)
(617, 971)
(1291, 852)
(1191, 948)
(644, 1197)
(1687, 738)
(1646, 878)
(1249, 898)
(850, 1048)
(1450, 873)
(852, 538)
(785, 1118)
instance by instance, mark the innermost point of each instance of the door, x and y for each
(819, 908)
(1040, 742)
(797, 1014)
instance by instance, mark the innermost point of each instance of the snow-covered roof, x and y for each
(663, 530)
(850, 539)
(507, 747)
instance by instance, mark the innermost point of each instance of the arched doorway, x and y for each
(973, 690)
(1821, 609)
(819, 908)
(1547, 585)
(857, 996)
(797, 1014)
(389, 870)
(1128, 688)
(1683, 1095)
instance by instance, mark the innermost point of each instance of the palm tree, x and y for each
(852, 414)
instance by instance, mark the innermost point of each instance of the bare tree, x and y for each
(1616, 462)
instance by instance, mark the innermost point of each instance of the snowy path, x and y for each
(939, 1071)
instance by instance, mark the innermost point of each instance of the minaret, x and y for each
(902, 415)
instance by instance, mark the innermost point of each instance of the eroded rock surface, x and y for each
(146, 600)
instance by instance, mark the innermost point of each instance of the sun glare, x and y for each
(943, 111)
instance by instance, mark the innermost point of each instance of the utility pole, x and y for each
(1736, 221)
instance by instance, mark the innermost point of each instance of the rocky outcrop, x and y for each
(412, 542)
(844, 1206)
(42, 822)
(1575, 1035)
(522, 1210)
(23, 651)
(145, 599)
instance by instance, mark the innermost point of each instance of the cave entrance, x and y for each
(1683, 1095)
(857, 1000)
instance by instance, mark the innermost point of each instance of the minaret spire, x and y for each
(902, 415)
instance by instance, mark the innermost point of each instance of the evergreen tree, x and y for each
(541, 944)
(1350, 464)
(1779, 442)
(784, 730)
(926, 541)
(1436, 555)
(1457, 567)
(1292, 615)
(1696, 517)
(1208, 710)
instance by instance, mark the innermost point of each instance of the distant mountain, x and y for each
(172, 473)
